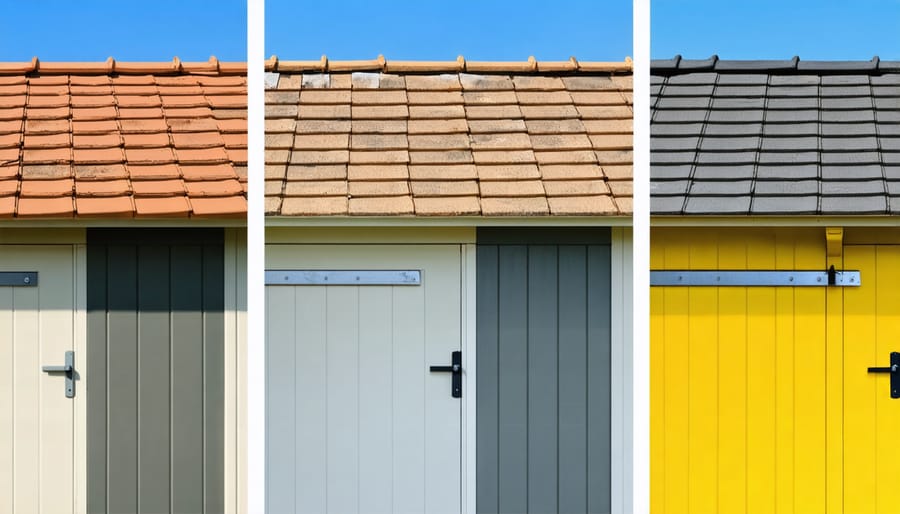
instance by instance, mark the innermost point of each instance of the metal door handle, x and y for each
(456, 369)
(69, 369)
(894, 370)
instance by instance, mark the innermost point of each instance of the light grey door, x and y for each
(356, 422)
(543, 343)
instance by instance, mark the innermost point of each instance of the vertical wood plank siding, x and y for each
(737, 414)
(543, 343)
(155, 407)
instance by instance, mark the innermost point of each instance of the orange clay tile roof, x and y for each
(112, 139)
(384, 138)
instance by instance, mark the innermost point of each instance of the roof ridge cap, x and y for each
(460, 65)
(678, 65)
(112, 67)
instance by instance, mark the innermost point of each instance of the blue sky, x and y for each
(128, 30)
(776, 29)
(591, 30)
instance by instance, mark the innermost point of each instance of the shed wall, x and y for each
(543, 351)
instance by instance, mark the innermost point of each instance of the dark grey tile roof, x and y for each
(775, 137)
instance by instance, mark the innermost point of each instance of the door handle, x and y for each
(894, 370)
(456, 369)
(69, 369)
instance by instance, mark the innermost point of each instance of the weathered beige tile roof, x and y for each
(382, 138)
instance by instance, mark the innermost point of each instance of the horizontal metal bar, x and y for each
(768, 278)
(343, 277)
(19, 278)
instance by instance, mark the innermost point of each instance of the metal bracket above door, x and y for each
(19, 278)
(760, 278)
(343, 277)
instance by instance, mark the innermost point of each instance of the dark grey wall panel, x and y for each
(598, 362)
(122, 378)
(573, 396)
(542, 391)
(214, 382)
(155, 359)
(487, 405)
(512, 377)
(96, 357)
(543, 406)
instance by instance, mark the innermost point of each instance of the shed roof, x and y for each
(118, 139)
(386, 138)
(775, 137)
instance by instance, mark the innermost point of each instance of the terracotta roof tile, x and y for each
(8, 171)
(39, 140)
(162, 206)
(8, 187)
(202, 155)
(61, 206)
(376, 138)
(102, 188)
(228, 206)
(116, 206)
(129, 134)
(109, 140)
(7, 206)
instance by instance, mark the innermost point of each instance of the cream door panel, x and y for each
(355, 420)
(37, 456)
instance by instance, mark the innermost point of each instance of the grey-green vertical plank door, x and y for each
(542, 395)
(96, 357)
(187, 379)
(213, 379)
(156, 357)
(153, 361)
(573, 397)
(598, 362)
(122, 379)
(487, 467)
(512, 378)
(543, 342)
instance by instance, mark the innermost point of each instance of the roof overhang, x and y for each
(448, 221)
(123, 223)
(775, 221)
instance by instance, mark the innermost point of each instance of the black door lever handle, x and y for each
(456, 369)
(447, 369)
(894, 370)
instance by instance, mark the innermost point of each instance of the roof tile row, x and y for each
(90, 143)
(747, 138)
(448, 144)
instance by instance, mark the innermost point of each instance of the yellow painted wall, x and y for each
(760, 397)
(737, 377)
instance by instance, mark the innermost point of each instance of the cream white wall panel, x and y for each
(355, 420)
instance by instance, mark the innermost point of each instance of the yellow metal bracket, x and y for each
(834, 242)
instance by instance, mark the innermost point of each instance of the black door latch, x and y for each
(456, 369)
(894, 370)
